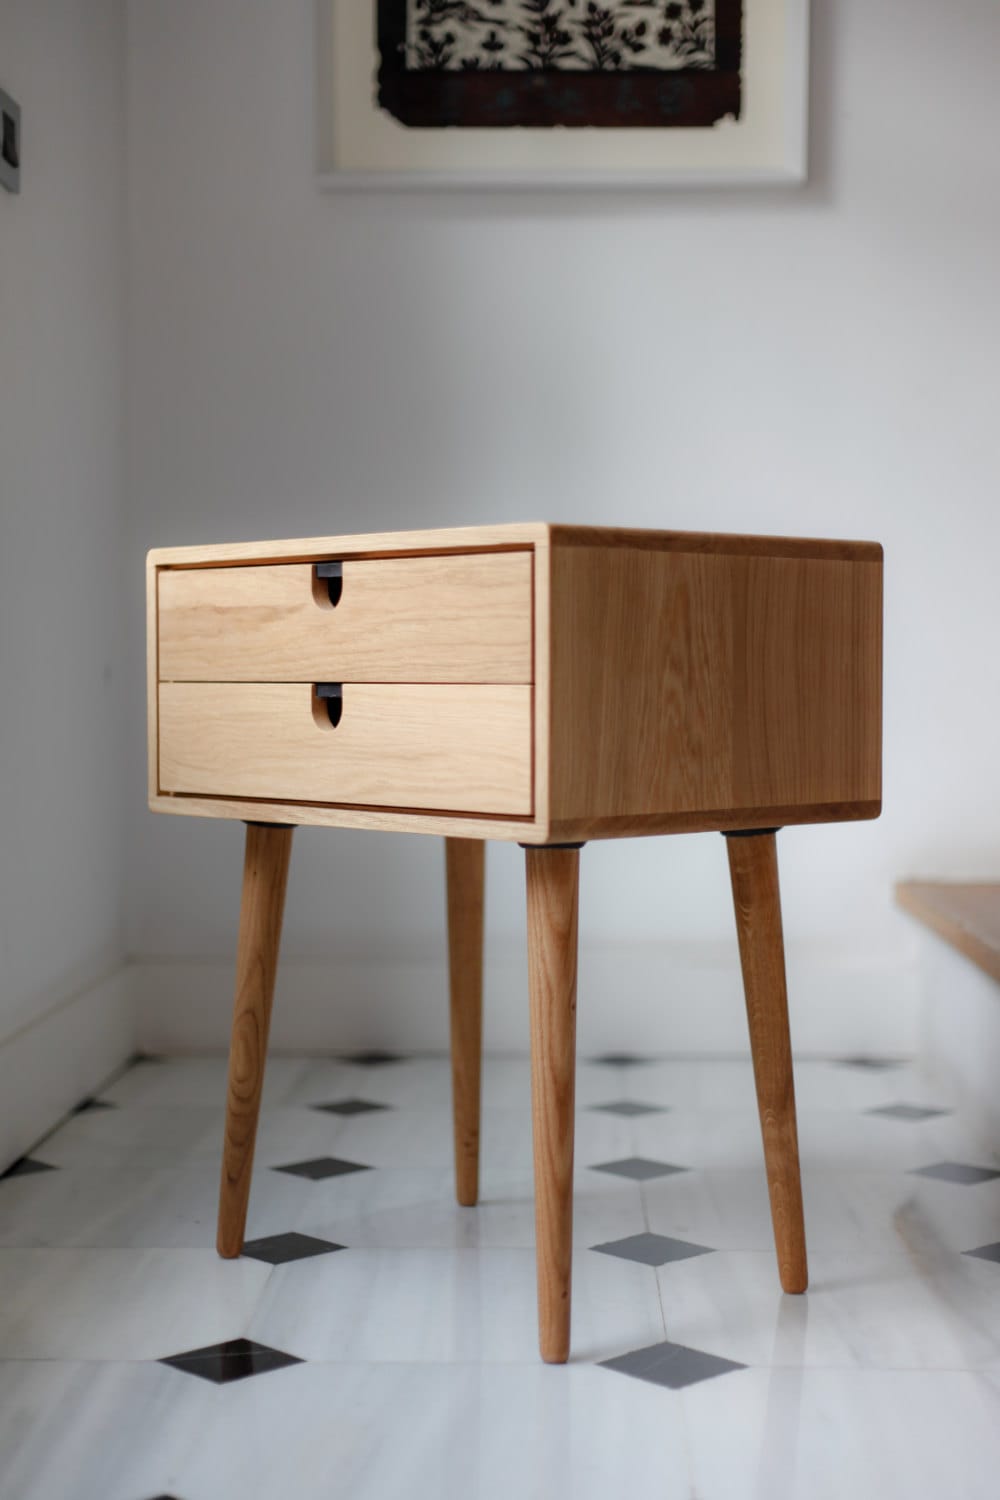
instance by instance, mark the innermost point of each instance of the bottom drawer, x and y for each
(453, 748)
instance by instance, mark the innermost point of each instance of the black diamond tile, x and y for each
(278, 1249)
(620, 1059)
(639, 1168)
(957, 1171)
(652, 1249)
(349, 1107)
(986, 1252)
(233, 1360)
(322, 1166)
(907, 1111)
(25, 1167)
(630, 1107)
(373, 1059)
(673, 1365)
(873, 1064)
(88, 1106)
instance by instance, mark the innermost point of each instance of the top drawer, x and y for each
(460, 618)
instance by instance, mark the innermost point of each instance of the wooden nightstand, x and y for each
(544, 684)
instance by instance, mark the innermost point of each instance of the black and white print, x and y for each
(503, 35)
(560, 62)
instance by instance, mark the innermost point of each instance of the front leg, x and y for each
(753, 868)
(265, 874)
(552, 886)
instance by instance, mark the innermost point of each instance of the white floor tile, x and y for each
(157, 1135)
(115, 1431)
(892, 1212)
(421, 1373)
(402, 1208)
(862, 1310)
(828, 1140)
(793, 1434)
(458, 1432)
(122, 1304)
(445, 1305)
(470, 1432)
(174, 1081)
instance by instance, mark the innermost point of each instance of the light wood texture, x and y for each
(683, 681)
(464, 618)
(457, 748)
(152, 678)
(265, 874)
(437, 541)
(552, 889)
(688, 685)
(514, 534)
(966, 915)
(375, 820)
(753, 868)
(465, 870)
(542, 677)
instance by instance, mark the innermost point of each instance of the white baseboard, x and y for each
(50, 1064)
(960, 1033)
(656, 998)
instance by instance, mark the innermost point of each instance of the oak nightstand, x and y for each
(544, 684)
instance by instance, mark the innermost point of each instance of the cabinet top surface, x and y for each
(512, 535)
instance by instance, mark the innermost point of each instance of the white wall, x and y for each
(64, 1021)
(815, 361)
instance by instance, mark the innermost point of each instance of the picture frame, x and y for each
(390, 118)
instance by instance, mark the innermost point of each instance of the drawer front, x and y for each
(464, 618)
(460, 749)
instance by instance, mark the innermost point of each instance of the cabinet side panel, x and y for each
(642, 670)
(807, 689)
(689, 686)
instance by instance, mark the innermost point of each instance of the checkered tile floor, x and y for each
(375, 1340)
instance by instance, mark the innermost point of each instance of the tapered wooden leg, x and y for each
(553, 885)
(465, 866)
(753, 867)
(265, 873)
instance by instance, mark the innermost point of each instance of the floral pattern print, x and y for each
(557, 35)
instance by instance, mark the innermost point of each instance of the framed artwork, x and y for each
(562, 92)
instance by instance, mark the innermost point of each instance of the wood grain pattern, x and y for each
(552, 877)
(456, 748)
(683, 681)
(435, 542)
(375, 819)
(718, 543)
(265, 875)
(152, 678)
(514, 534)
(753, 868)
(463, 618)
(465, 871)
(966, 914)
(806, 681)
(541, 719)
(685, 684)
(717, 820)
